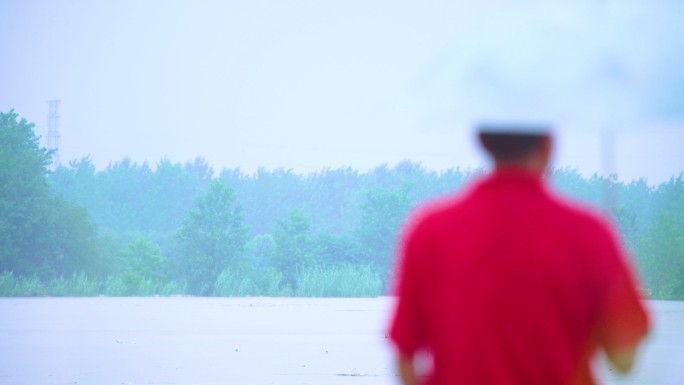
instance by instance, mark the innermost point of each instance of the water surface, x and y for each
(195, 341)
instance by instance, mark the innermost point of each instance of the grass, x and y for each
(80, 285)
(314, 281)
(339, 281)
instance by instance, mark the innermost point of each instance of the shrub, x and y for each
(233, 284)
(339, 281)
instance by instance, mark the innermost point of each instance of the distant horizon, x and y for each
(484, 165)
(662, 142)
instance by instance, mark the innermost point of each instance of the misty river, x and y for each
(195, 341)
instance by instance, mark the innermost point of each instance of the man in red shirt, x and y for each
(508, 283)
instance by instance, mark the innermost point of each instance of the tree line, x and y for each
(182, 228)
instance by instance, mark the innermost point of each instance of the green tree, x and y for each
(144, 257)
(590, 190)
(168, 199)
(626, 221)
(24, 192)
(337, 249)
(661, 249)
(661, 257)
(71, 241)
(383, 212)
(294, 246)
(634, 210)
(40, 234)
(259, 250)
(212, 238)
(669, 197)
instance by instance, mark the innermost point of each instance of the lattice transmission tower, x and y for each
(53, 136)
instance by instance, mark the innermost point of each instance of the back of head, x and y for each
(512, 143)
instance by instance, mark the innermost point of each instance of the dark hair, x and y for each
(510, 146)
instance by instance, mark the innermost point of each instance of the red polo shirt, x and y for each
(507, 284)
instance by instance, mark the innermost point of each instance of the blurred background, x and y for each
(305, 85)
(275, 147)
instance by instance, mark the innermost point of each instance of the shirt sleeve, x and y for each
(622, 317)
(405, 329)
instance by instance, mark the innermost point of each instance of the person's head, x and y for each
(522, 146)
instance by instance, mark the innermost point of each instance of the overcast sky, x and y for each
(313, 84)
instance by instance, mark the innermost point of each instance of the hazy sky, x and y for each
(316, 84)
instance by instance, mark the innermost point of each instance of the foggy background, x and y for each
(308, 85)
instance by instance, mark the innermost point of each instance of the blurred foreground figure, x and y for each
(508, 283)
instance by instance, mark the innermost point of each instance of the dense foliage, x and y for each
(173, 228)
(41, 234)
